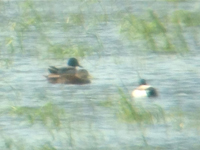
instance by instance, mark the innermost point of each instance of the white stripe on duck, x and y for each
(144, 90)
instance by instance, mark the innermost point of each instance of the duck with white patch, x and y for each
(144, 90)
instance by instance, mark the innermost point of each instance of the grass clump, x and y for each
(49, 114)
(11, 144)
(131, 112)
(76, 50)
(47, 146)
(19, 144)
(76, 19)
(185, 17)
(158, 35)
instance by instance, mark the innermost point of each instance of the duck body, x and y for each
(61, 70)
(72, 64)
(144, 90)
(80, 76)
(69, 74)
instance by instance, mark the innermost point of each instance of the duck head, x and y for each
(151, 92)
(142, 82)
(73, 62)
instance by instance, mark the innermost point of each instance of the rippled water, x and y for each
(114, 65)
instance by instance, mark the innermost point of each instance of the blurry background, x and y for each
(117, 41)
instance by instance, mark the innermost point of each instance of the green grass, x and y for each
(128, 112)
(133, 113)
(73, 50)
(187, 18)
(156, 33)
(49, 115)
(160, 34)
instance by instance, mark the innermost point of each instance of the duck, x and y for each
(69, 74)
(144, 90)
(80, 77)
(72, 64)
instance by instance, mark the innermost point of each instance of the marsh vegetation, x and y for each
(117, 42)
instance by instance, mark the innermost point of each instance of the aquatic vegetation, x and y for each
(73, 19)
(160, 35)
(19, 144)
(73, 50)
(135, 28)
(47, 146)
(106, 103)
(77, 19)
(6, 62)
(154, 31)
(133, 113)
(42, 29)
(187, 18)
(36, 25)
(9, 43)
(175, 0)
(10, 143)
(45, 114)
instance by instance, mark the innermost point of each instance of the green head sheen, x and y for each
(73, 62)
(142, 82)
(151, 92)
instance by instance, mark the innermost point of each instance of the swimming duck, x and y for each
(72, 64)
(68, 74)
(144, 90)
(80, 77)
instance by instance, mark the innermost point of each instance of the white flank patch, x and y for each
(139, 93)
